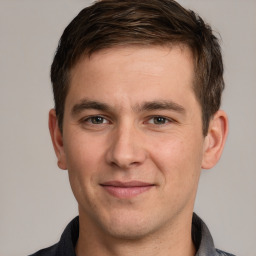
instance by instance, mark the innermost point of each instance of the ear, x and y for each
(215, 139)
(57, 139)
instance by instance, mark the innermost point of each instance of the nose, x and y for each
(126, 148)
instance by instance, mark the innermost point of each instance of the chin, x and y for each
(133, 232)
(130, 227)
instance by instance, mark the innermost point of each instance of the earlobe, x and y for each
(57, 139)
(215, 139)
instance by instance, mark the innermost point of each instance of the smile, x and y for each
(126, 189)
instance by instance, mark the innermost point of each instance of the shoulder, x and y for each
(49, 251)
(222, 253)
(66, 244)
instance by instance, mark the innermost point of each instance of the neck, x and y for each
(175, 240)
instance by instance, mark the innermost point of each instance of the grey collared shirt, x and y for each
(203, 240)
(66, 246)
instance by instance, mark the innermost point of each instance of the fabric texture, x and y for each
(66, 246)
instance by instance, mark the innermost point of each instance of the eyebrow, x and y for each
(89, 104)
(146, 106)
(160, 105)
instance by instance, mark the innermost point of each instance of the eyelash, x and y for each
(89, 120)
(165, 119)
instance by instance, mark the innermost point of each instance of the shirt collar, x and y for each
(202, 238)
(200, 234)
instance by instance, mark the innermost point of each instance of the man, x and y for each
(137, 88)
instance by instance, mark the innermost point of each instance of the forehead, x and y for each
(140, 73)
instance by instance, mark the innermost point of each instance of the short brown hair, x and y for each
(111, 23)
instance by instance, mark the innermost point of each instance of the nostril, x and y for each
(124, 165)
(125, 148)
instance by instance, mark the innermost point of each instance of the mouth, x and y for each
(126, 189)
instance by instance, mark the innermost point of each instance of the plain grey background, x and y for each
(35, 198)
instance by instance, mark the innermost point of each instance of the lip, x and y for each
(127, 189)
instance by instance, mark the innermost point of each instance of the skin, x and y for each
(131, 115)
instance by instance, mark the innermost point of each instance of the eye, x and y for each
(158, 120)
(96, 120)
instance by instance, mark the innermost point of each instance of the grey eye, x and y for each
(97, 120)
(159, 120)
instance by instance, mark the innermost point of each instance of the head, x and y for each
(137, 88)
(109, 23)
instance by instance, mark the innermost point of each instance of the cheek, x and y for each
(82, 152)
(83, 157)
(83, 162)
(179, 159)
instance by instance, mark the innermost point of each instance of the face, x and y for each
(132, 139)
